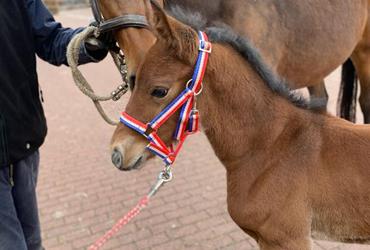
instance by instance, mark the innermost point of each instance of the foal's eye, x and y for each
(159, 92)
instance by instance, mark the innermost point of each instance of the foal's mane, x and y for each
(222, 33)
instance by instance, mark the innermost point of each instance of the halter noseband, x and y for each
(124, 21)
(189, 115)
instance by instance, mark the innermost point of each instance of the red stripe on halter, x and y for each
(133, 120)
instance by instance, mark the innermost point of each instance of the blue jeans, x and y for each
(19, 219)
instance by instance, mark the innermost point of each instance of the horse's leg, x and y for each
(362, 64)
(319, 95)
(361, 60)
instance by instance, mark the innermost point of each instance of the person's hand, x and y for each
(98, 47)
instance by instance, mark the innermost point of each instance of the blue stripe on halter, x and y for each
(199, 60)
(132, 127)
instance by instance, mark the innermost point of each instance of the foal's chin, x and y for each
(135, 164)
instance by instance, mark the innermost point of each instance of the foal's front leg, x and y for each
(296, 244)
(287, 228)
(277, 216)
(289, 233)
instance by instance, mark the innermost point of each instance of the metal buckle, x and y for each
(205, 46)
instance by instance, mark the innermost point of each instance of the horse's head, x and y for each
(161, 77)
(135, 42)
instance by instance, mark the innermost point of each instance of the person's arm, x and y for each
(51, 39)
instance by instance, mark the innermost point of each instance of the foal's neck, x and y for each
(241, 116)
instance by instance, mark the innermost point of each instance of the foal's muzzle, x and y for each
(118, 161)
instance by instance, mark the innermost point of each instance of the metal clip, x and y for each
(163, 177)
(123, 69)
(119, 92)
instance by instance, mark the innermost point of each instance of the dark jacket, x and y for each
(26, 28)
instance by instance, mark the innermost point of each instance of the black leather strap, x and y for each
(124, 21)
(96, 11)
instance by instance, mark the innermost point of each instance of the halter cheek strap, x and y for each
(189, 115)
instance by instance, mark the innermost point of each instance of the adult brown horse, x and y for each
(290, 170)
(303, 41)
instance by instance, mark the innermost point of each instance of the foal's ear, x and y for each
(180, 38)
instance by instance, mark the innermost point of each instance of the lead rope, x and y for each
(164, 177)
(73, 51)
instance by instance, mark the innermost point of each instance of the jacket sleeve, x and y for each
(51, 39)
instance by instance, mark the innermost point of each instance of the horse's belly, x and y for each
(302, 41)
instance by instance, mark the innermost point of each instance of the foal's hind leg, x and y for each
(319, 96)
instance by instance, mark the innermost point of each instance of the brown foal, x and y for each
(303, 41)
(292, 172)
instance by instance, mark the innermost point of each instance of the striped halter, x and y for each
(189, 116)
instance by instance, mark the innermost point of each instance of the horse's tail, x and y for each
(347, 97)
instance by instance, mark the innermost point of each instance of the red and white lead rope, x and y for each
(120, 224)
(163, 177)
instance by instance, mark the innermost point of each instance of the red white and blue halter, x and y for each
(189, 116)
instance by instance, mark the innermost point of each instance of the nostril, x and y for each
(117, 158)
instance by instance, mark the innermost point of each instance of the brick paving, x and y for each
(81, 194)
